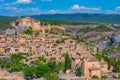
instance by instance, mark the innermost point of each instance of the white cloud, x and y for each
(77, 7)
(19, 11)
(18, 2)
(54, 11)
(24, 1)
(111, 12)
(117, 8)
(47, 0)
(15, 9)
(115, 11)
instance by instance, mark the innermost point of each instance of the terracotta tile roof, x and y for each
(75, 57)
(94, 68)
(91, 59)
(103, 62)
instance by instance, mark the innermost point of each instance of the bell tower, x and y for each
(19, 19)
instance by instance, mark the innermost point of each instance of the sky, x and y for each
(36, 7)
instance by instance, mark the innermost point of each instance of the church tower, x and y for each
(32, 24)
(19, 19)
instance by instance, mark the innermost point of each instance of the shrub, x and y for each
(115, 77)
(28, 32)
(104, 77)
(94, 76)
(78, 71)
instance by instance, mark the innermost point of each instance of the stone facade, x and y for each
(35, 24)
(10, 76)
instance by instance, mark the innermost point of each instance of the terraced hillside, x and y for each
(90, 33)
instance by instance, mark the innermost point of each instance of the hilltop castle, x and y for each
(28, 22)
(34, 24)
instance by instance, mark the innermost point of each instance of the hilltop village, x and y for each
(37, 41)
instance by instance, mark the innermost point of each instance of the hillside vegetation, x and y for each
(62, 22)
(100, 28)
(90, 33)
(5, 22)
(112, 56)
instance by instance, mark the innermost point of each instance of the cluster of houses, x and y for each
(46, 46)
(39, 46)
(10, 76)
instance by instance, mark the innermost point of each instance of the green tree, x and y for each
(46, 30)
(42, 69)
(78, 71)
(16, 57)
(52, 65)
(117, 67)
(37, 33)
(28, 32)
(28, 71)
(59, 66)
(67, 62)
(42, 59)
(15, 67)
(52, 76)
(4, 64)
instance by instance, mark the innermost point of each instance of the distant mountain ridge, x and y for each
(81, 17)
(78, 17)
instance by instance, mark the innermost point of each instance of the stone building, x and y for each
(89, 64)
(29, 22)
(35, 24)
(93, 67)
(10, 76)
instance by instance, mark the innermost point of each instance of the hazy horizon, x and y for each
(57, 14)
(37, 7)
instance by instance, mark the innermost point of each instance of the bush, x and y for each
(37, 34)
(16, 57)
(1, 54)
(115, 77)
(95, 77)
(28, 71)
(59, 66)
(28, 32)
(41, 70)
(104, 77)
(46, 30)
(2, 79)
(4, 64)
(119, 76)
(60, 41)
(42, 59)
(52, 76)
(52, 65)
(78, 71)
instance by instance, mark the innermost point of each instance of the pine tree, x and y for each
(67, 62)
